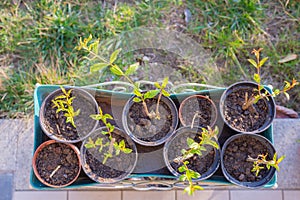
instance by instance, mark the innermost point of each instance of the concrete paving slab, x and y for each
(24, 156)
(148, 195)
(93, 195)
(9, 130)
(204, 195)
(256, 194)
(38, 195)
(6, 185)
(291, 194)
(286, 134)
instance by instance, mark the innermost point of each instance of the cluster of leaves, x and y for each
(261, 162)
(257, 78)
(113, 145)
(208, 137)
(92, 48)
(63, 103)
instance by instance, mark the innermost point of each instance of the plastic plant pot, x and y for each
(178, 141)
(55, 125)
(198, 110)
(115, 168)
(235, 166)
(146, 131)
(256, 118)
(54, 168)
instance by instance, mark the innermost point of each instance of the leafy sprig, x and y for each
(260, 162)
(115, 69)
(113, 145)
(63, 103)
(249, 101)
(208, 137)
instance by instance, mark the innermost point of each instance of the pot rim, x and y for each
(259, 183)
(42, 146)
(108, 180)
(271, 105)
(213, 122)
(49, 97)
(174, 111)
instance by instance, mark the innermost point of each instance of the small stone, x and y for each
(241, 177)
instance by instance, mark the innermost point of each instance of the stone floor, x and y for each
(15, 164)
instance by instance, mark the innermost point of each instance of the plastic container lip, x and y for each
(85, 95)
(42, 90)
(258, 184)
(271, 101)
(182, 130)
(142, 142)
(45, 144)
(108, 180)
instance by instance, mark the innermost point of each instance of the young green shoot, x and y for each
(261, 162)
(208, 137)
(116, 70)
(63, 103)
(113, 146)
(249, 101)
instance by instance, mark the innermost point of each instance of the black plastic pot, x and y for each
(115, 169)
(236, 118)
(180, 136)
(242, 171)
(84, 123)
(193, 105)
(151, 139)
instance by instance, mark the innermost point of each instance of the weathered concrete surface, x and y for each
(6, 186)
(286, 138)
(24, 156)
(9, 131)
(17, 145)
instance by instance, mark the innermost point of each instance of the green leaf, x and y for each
(280, 159)
(95, 117)
(99, 141)
(137, 100)
(89, 146)
(116, 70)
(165, 82)
(114, 56)
(127, 150)
(107, 116)
(165, 93)
(252, 62)
(262, 62)
(156, 84)
(151, 94)
(132, 69)
(256, 78)
(189, 141)
(137, 92)
(98, 66)
(182, 177)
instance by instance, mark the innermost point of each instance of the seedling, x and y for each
(249, 101)
(261, 162)
(113, 146)
(63, 103)
(208, 137)
(115, 69)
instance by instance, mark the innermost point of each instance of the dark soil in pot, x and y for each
(114, 169)
(57, 164)
(151, 130)
(55, 123)
(255, 118)
(202, 164)
(235, 158)
(201, 106)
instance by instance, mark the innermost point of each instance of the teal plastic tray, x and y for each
(147, 175)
